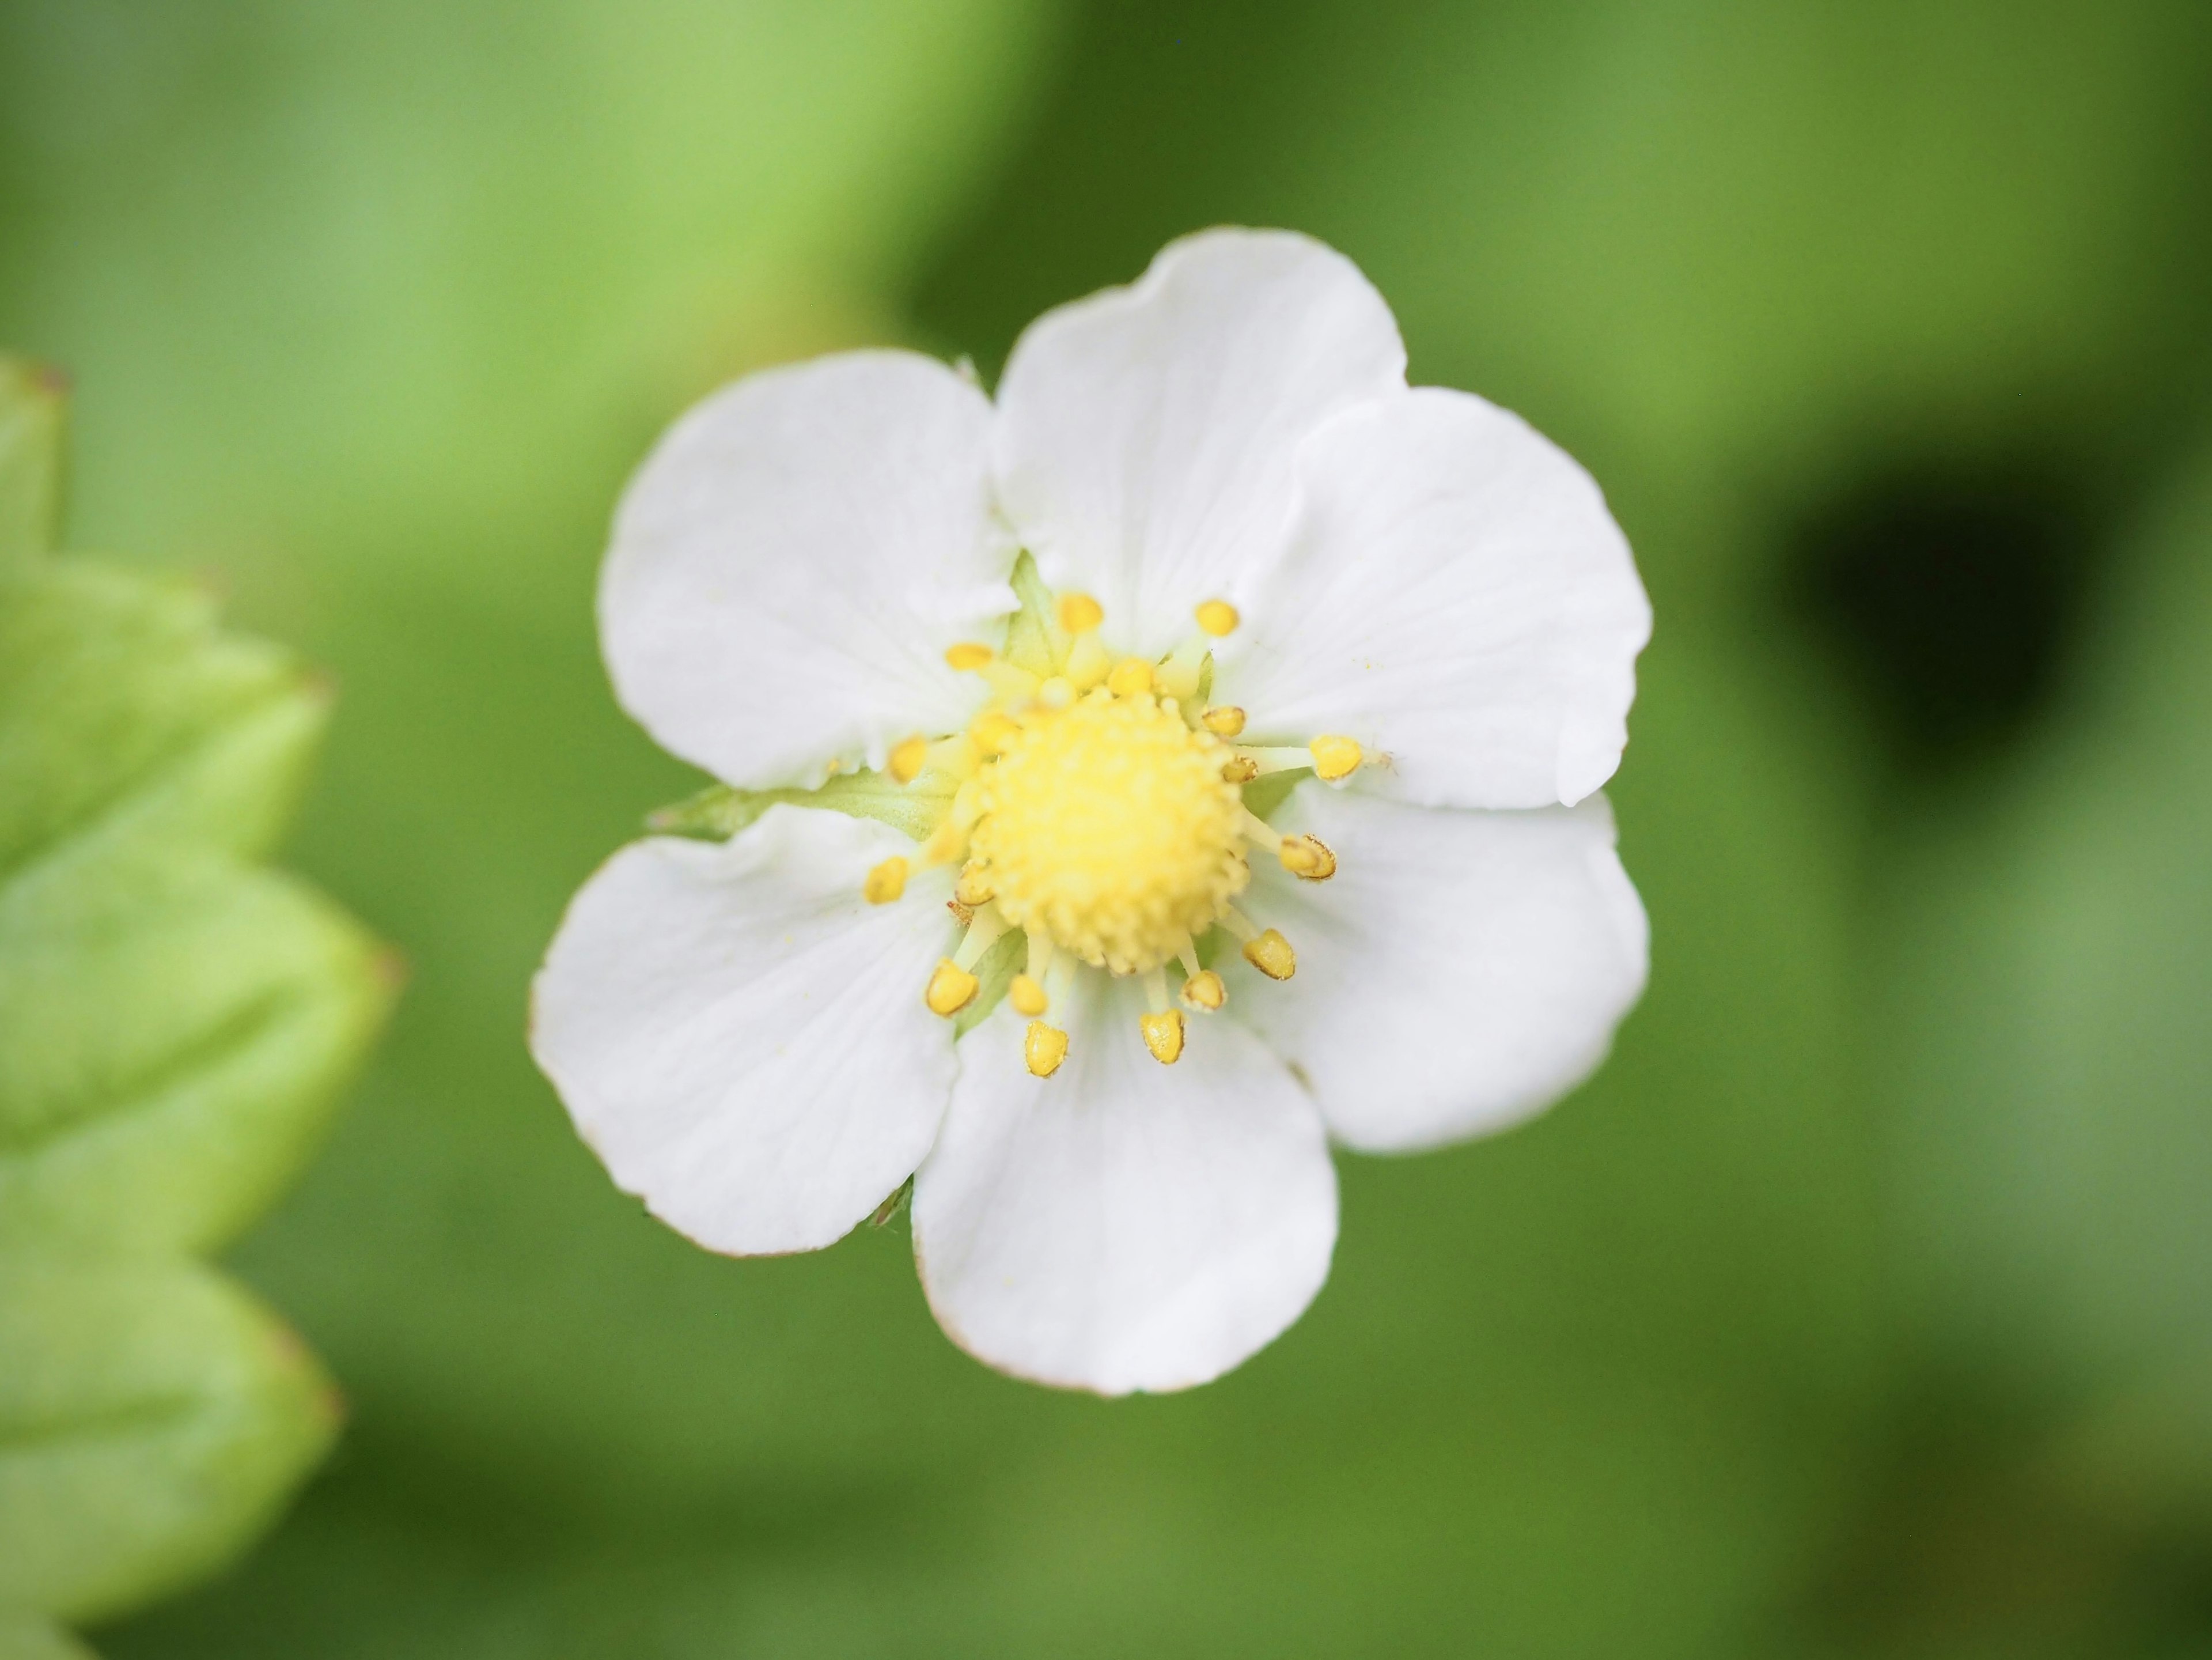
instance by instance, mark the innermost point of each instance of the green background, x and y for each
(1858, 1307)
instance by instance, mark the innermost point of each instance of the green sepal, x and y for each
(1263, 795)
(153, 1417)
(718, 812)
(32, 413)
(995, 974)
(1034, 640)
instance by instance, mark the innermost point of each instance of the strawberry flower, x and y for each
(1185, 760)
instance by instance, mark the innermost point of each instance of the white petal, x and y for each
(790, 562)
(1123, 1225)
(1145, 434)
(1455, 595)
(741, 1037)
(1460, 972)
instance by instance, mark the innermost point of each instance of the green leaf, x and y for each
(718, 812)
(32, 409)
(152, 1418)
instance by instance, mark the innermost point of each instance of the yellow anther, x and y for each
(1334, 757)
(1241, 770)
(1043, 1048)
(995, 733)
(951, 988)
(1163, 1035)
(974, 888)
(1271, 955)
(1307, 858)
(1131, 675)
(967, 657)
(1079, 613)
(1204, 990)
(1219, 618)
(886, 882)
(1223, 719)
(907, 758)
(1027, 996)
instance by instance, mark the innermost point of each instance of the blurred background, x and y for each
(1858, 1308)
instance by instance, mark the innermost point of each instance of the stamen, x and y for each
(968, 657)
(1163, 1035)
(1178, 677)
(949, 841)
(1334, 757)
(974, 888)
(1043, 1048)
(982, 934)
(1219, 618)
(1131, 675)
(886, 882)
(950, 988)
(1027, 996)
(1223, 719)
(1042, 953)
(1271, 955)
(956, 756)
(1156, 989)
(1307, 857)
(1205, 991)
(1240, 926)
(1242, 769)
(1277, 758)
(907, 758)
(1010, 684)
(1187, 954)
(1087, 663)
(1079, 613)
(995, 733)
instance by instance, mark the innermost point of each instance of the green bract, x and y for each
(175, 1023)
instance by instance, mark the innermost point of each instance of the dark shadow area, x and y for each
(1986, 1531)
(1952, 598)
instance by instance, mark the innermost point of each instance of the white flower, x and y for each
(1255, 550)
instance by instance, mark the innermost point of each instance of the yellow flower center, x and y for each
(1108, 827)
(1098, 809)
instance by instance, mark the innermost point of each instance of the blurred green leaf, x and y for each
(152, 1416)
(174, 1027)
(31, 413)
(25, 1637)
(2047, 967)
(173, 1042)
(130, 725)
